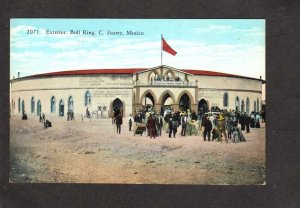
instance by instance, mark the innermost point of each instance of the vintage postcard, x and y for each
(137, 101)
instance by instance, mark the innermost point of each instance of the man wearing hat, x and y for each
(221, 127)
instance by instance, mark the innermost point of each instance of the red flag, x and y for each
(167, 48)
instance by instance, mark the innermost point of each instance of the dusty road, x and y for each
(90, 152)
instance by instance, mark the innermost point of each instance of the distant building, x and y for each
(127, 90)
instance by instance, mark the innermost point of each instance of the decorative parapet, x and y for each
(165, 83)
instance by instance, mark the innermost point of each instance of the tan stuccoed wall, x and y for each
(213, 88)
(106, 88)
(215, 98)
(215, 82)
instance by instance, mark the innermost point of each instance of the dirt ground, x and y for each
(91, 152)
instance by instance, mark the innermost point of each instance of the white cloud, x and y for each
(237, 59)
(214, 28)
(254, 31)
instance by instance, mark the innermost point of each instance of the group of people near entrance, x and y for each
(213, 126)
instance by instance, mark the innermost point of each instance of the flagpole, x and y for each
(161, 54)
(161, 49)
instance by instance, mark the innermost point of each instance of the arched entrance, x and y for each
(184, 102)
(167, 102)
(38, 108)
(202, 106)
(117, 106)
(61, 107)
(148, 100)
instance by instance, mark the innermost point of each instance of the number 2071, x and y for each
(30, 32)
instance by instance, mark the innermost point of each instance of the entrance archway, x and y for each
(202, 106)
(61, 107)
(38, 108)
(117, 106)
(167, 100)
(148, 100)
(184, 102)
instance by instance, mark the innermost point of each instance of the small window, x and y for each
(32, 105)
(247, 105)
(52, 104)
(70, 103)
(19, 105)
(237, 104)
(225, 99)
(243, 106)
(88, 98)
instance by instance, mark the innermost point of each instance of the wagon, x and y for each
(140, 129)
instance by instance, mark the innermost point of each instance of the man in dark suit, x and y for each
(119, 122)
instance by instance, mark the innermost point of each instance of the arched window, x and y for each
(243, 106)
(87, 98)
(254, 106)
(39, 108)
(247, 106)
(237, 104)
(70, 103)
(225, 99)
(52, 102)
(32, 105)
(19, 105)
(257, 103)
(61, 108)
(23, 106)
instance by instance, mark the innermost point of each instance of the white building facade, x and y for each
(128, 90)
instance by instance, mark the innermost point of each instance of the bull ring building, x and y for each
(103, 90)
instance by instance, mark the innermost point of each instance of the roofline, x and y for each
(138, 70)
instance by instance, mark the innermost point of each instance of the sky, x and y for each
(235, 46)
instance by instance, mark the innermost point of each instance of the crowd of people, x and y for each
(221, 125)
